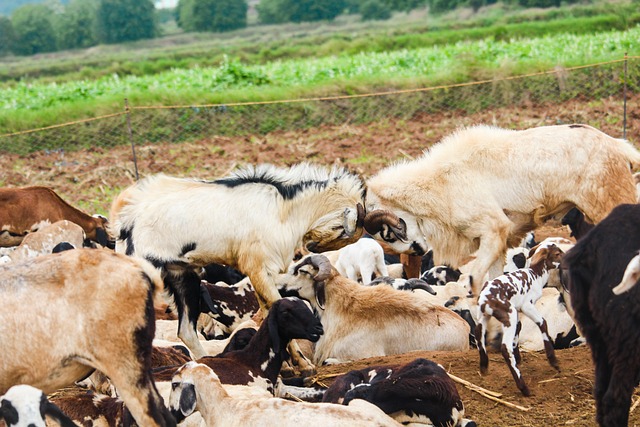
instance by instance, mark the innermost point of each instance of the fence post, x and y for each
(127, 110)
(624, 98)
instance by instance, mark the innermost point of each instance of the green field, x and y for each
(389, 57)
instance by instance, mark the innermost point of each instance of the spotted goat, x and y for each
(512, 293)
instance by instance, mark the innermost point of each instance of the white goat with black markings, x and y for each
(195, 387)
(96, 311)
(27, 406)
(507, 295)
(366, 321)
(505, 186)
(162, 219)
(361, 260)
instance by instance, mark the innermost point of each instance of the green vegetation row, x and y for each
(29, 105)
(267, 43)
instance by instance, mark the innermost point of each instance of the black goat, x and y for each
(593, 267)
(577, 224)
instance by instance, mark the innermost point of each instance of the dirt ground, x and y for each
(91, 179)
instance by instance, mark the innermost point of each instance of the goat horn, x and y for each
(320, 262)
(361, 216)
(374, 221)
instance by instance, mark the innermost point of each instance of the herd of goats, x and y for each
(195, 301)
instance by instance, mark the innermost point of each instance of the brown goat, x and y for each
(27, 209)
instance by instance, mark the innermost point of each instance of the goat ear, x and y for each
(56, 413)
(533, 250)
(206, 303)
(8, 412)
(188, 399)
(321, 298)
(274, 334)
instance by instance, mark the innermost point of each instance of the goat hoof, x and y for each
(308, 372)
(287, 372)
(525, 391)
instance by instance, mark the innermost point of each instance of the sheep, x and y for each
(419, 392)
(26, 406)
(366, 321)
(630, 277)
(362, 260)
(594, 266)
(47, 238)
(505, 296)
(504, 186)
(161, 219)
(197, 388)
(29, 208)
(101, 304)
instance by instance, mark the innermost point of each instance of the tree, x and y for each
(374, 10)
(7, 36)
(125, 20)
(273, 11)
(75, 26)
(33, 30)
(212, 15)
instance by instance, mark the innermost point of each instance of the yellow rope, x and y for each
(63, 124)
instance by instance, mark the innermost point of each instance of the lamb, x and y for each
(505, 296)
(102, 306)
(29, 208)
(505, 186)
(366, 321)
(362, 260)
(197, 388)
(47, 238)
(630, 277)
(418, 392)
(161, 219)
(24, 405)
(594, 266)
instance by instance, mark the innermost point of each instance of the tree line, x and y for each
(38, 28)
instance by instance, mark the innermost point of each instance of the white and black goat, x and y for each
(26, 406)
(418, 392)
(161, 219)
(512, 293)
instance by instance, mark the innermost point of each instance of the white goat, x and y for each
(359, 261)
(197, 388)
(161, 219)
(101, 304)
(366, 321)
(46, 238)
(505, 186)
(26, 406)
(505, 296)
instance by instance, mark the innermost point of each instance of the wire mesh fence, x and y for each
(150, 125)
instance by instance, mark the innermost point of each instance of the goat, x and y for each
(417, 392)
(594, 266)
(91, 409)
(195, 387)
(403, 284)
(101, 304)
(366, 321)
(505, 296)
(505, 186)
(579, 226)
(630, 277)
(232, 305)
(160, 219)
(47, 238)
(29, 208)
(440, 275)
(362, 260)
(26, 406)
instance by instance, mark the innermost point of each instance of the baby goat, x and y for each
(505, 296)
(24, 405)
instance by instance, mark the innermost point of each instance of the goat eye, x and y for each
(174, 386)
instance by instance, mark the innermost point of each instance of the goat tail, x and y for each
(154, 275)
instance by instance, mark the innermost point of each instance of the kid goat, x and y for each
(507, 295)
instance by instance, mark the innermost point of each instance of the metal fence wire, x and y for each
(175, 124)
